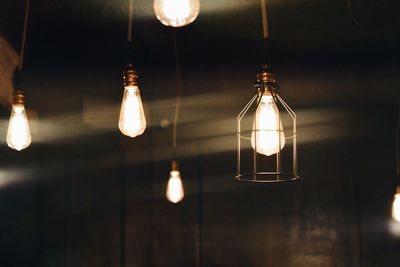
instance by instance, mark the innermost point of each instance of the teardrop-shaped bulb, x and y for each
(267, 127)
(176, 13)
(18, 133)
(175, 192)
(132, 121)
(396, 206)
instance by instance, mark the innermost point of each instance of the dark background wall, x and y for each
(84, 195)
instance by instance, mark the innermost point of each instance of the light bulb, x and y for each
(176, 13)
(18, 133)
(132, 121)
(267, 127)
(396, 206)
(175, 192)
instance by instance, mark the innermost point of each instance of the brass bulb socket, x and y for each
(398, 190)
(19, 98)
(130, 76)
(266, 75)
(174, 165)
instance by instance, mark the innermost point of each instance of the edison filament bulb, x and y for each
(396, 206)
(18, 133)
(267, 136)
(176, 13)
(175, 192)
(132, 121)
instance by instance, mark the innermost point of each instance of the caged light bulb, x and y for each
(175, 192)
(396, 206)
(267, 136)
(176, 13)
(18, 133)
(132, 121)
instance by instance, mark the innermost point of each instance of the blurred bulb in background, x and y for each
(175, 192)
(18, 133)
(132, 121)
(396, 206)
(176, 13)
(267, 127)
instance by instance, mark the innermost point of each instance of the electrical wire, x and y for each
(266, 55)
(178, 94)
(130, 22)
(351, 12)
(397, 142)
(395, 71)
(24, 33)
(264, 19)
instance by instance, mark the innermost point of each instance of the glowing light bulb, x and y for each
(18, 133)
(396, 206)
(267, 127)
(132, 121)
(176, 13)
(175, 192)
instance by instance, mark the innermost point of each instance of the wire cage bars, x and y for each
(266, 135)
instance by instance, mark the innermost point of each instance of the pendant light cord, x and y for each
(178, 95)
(129, 33)
(24, 33)
(130, 22)
(265, 42)
(397, 142)
(264, 19)
(389, 19)
(351, 12)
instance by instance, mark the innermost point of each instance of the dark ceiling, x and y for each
(326, 54)
(337, 65)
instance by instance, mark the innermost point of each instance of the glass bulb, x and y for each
(175, 191)
(132, 121)
(265, 134)
(396, 207)
(18, 134)
(176, 13)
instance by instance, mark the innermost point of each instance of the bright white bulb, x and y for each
(175, 191)
(18, 134)
(176, 13)
(132, 121)
(396, 208)
(267, 127)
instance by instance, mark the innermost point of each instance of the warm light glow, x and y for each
(175, 191)
(132, 121)
(265, 134)
(396, 207)
(18, 134)
(176, 13)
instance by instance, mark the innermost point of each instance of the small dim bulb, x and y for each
(18, 133)
(175, 192)
(176, 13)
(132, 121)
(396, 206)
(267, 127)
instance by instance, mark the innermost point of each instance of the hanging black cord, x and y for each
(130, 32)
(24, 33)
(264, 19)
(17, 73)
(351, 12)
(397, 143)
(178, 94)
(390, 17)
(266, 54)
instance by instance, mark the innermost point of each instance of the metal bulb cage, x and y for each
(253, 166)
